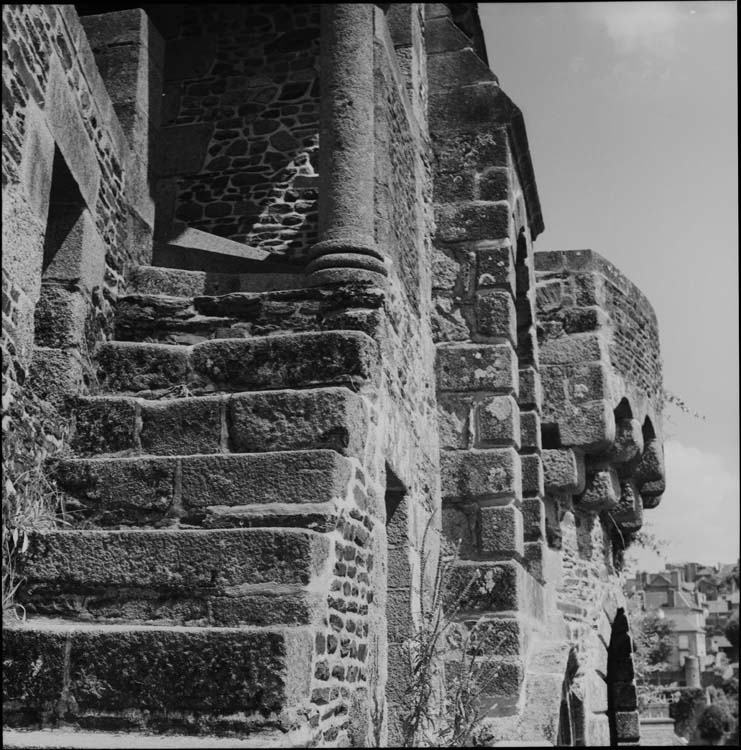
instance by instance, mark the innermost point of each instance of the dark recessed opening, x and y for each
(648, 431)
(395, 492)
(65, 208)
(623, 410)
(550, 436)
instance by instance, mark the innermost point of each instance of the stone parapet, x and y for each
(601, 375)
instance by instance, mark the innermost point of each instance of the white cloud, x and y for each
(699, 514)
(641, 26)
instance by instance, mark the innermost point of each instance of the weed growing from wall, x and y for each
(451, 664)
(33, 432)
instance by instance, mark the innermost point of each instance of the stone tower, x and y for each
(276, 336)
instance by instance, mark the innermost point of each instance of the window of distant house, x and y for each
(684, 642)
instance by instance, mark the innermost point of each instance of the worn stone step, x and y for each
(161, 679)
(196, 577)
(217, 561)
(298, 360)
(70, 739)
(181, 283)
(188, 489)
(187, 320)
(332, 418)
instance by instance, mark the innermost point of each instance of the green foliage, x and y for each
(653, 645)
(713, 723)
(686, 709)
(684, 705)
(654, 640)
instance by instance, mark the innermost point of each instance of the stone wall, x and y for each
(239, 144)
(580, 292)
(447, 389)
(68, 213)
(406, 441)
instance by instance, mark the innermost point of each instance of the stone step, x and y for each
(298, 360)
(160, 679)
(261, 488)
(225, 577)
(331, 418)
(180, 283)
(187, 320)
(70, 739)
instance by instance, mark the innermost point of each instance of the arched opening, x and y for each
(648, 431)
(623, 410)
(621, 692)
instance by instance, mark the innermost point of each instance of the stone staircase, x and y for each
(212, 471)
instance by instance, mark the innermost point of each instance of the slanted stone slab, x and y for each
(115, 669)
(215, 559)
(480, 474)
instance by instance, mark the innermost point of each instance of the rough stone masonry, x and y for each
(274, 328)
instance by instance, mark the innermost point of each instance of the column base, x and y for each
(327, 276)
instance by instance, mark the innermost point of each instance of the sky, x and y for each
(631, 115)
